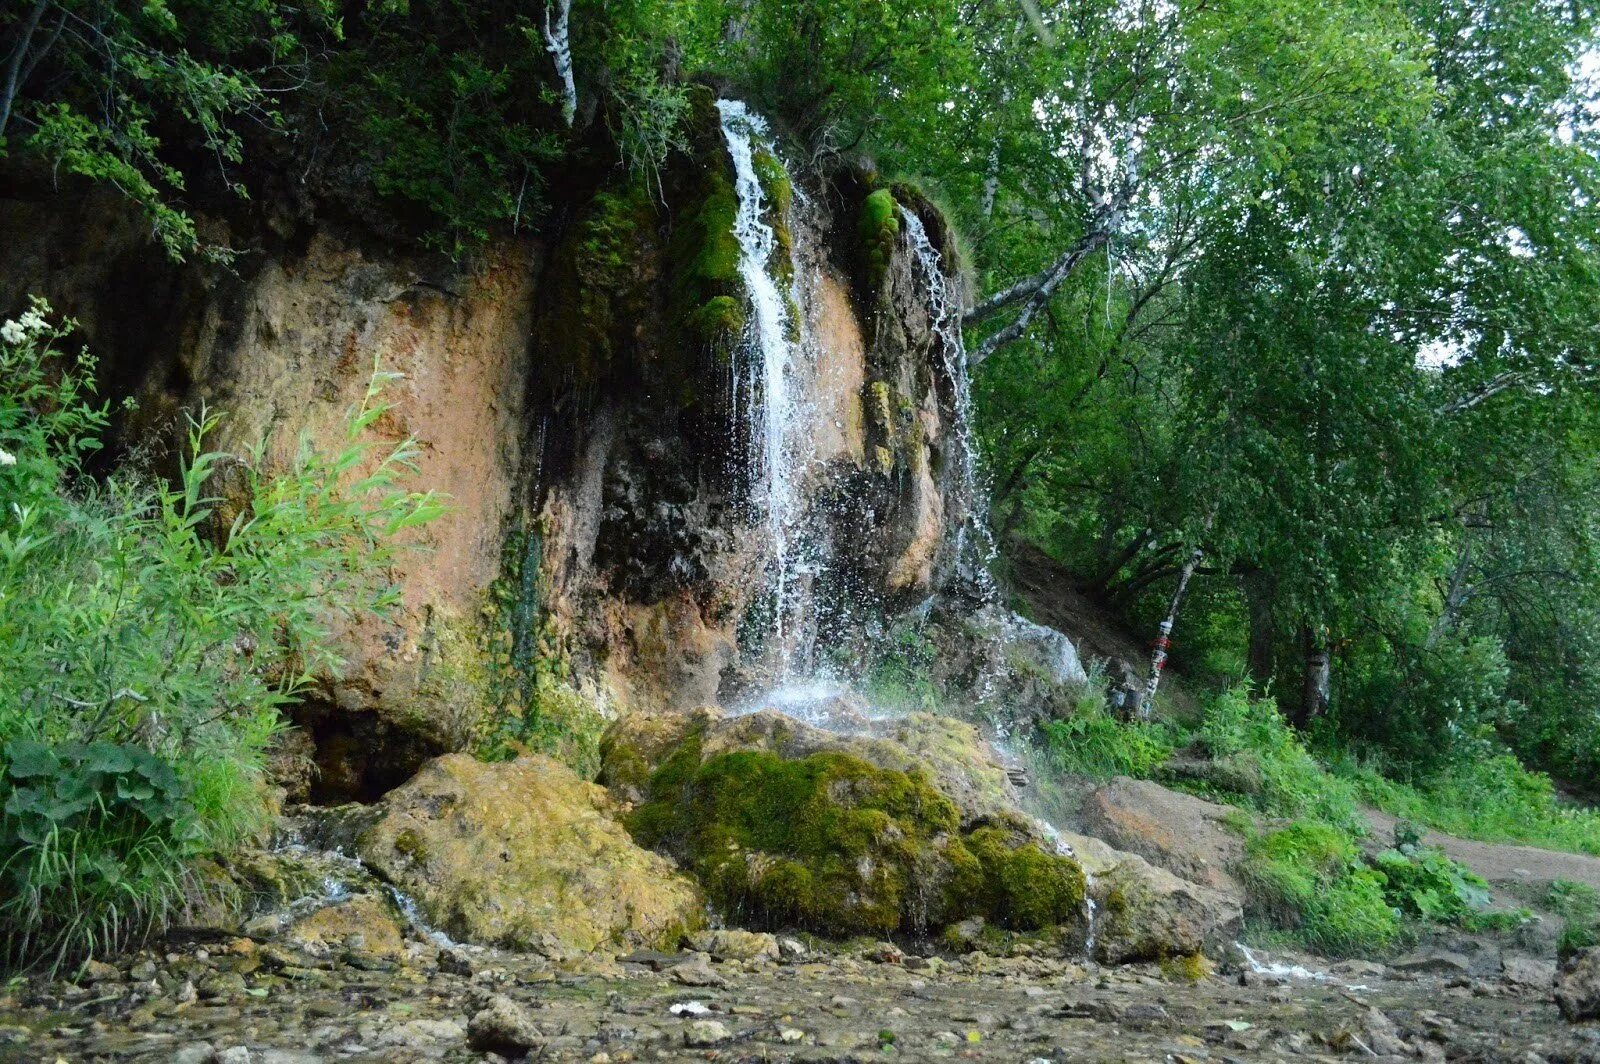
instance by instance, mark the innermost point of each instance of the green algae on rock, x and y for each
(877, 228)
(524, 854)
(789, 825)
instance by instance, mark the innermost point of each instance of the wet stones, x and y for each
(786, 824)
(503, 1026)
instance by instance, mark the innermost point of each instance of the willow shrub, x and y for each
(150, 633)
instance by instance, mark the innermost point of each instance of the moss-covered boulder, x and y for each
(524, 854)
(786, 824)
(365, 924)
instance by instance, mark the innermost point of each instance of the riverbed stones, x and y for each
(704, 1033)
(523, 854)
(1528, 973)
(733, 945)
(503, 1026)
(366, 924)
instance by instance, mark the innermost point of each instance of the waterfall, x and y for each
(774, 386)
(974, 546)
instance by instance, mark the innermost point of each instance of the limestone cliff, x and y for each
(579, 397)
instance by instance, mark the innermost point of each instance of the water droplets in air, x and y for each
(775, 375)
(974, 545)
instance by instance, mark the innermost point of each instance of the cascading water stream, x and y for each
(975, 548)
(777, 378)
(774, 387)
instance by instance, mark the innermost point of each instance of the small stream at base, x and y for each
(337, 887)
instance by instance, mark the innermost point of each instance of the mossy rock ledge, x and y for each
(522, 854)
(789, 825)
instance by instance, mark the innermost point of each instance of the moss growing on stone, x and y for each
(827, 841)
(893, 426)
(594, 277)
(716, 322)
(833, 843)
(778, 190)
(703, 257)
(774, 180)
(1187, 968)
(877, 228)
(1027, 888)
(534, 705)
(710, 252)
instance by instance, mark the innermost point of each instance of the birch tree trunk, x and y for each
(558, 42)
(1317, 678)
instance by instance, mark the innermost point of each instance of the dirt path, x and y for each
(1502, 862)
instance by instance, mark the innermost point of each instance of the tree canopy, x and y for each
(1306, 284)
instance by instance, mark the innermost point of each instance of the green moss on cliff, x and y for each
(779, 192)
(877, 228)
(714, 323)
(827, 841)
(703, 257)
(893, 427)
(534, 705)
(595, 280)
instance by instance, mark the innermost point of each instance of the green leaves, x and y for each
(148, 648)
(1423, 882)
(79, 787)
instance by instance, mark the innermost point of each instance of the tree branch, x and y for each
(14, 64)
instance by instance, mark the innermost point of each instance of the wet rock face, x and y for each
(1022, 673)
(282, 345)
(1578, 985)
(582, 389)
(521, 854)
(790, 825)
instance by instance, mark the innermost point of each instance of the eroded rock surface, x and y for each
(1578, 985)
(1183, 834)
(522, 854)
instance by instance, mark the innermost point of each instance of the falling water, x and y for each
(975, 548)
(779, 445)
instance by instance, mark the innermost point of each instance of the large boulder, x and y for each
(951, 753)
(1187, 836)
(1143, 912)
(785, 824)
(522, 854)
(1578, 985)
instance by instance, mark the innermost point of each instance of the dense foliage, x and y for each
(1306, 285)
(151, 630)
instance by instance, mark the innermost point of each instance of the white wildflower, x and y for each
(6, 458)
(33, 321)
(13, 332)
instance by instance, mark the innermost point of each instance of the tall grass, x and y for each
(1092, 742)
(1495, 799)
(150, 632)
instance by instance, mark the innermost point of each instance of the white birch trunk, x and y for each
(558, 42)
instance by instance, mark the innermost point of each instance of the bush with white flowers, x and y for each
(139, 630)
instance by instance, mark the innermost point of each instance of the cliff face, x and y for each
(594, 404)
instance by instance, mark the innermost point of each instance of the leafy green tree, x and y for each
(98, 88)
